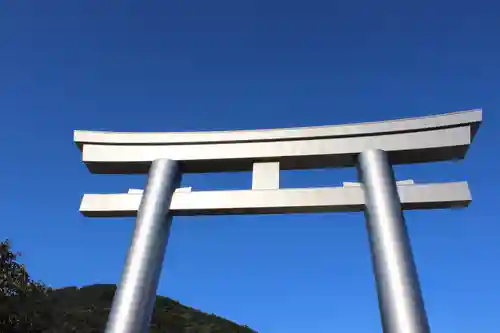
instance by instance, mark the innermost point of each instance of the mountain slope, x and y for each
(29, 306)
(85, 310)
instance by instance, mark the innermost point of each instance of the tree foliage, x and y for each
(27, 306)
(14, 279)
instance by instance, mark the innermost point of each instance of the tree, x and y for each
(14, 278)
(16, 288)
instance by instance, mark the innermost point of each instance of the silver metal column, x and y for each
(400, 299)
(133, 303)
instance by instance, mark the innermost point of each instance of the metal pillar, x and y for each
(400, 299)
(134, 301)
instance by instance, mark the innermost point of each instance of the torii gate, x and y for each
(371, 147)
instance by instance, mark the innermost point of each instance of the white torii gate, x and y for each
(371, 147)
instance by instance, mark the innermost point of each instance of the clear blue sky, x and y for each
(222, 64)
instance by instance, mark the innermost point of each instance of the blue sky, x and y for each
(220, 64)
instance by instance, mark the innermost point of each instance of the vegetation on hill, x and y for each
(27, 306)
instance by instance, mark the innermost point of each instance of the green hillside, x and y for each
(27, 306)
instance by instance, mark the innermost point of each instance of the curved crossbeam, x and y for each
(454, 119)
(425, 139)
